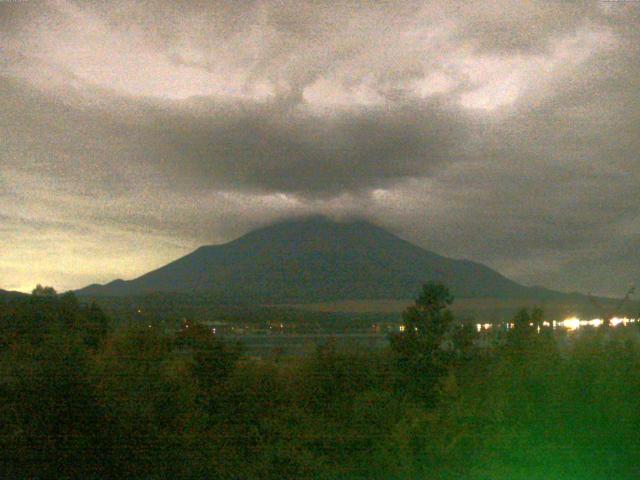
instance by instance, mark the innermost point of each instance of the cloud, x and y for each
(502, 131)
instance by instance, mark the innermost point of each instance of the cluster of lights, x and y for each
(571, 323)
(403, 328)
(483, 326)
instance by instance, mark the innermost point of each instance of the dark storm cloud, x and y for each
(302, 153)
(199, 144)
(502, 131)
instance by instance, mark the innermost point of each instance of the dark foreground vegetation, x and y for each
(80, 399)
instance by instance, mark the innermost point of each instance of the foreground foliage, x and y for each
(80, 401)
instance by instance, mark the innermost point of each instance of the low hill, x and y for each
(7, 294)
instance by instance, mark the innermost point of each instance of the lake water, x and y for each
(302, 344)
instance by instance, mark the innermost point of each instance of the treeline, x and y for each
(81, 399)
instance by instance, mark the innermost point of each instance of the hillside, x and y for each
(7, 294)
(317, 259)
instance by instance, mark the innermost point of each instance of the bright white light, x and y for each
(615, 321)
(483, 326)
(572, 323)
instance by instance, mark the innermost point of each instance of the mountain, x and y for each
(7, 294)
(314, 260)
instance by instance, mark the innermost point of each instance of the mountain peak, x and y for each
(320, 223)
(313, 225)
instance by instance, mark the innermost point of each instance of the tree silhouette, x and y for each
(41, 291)
(423, 356)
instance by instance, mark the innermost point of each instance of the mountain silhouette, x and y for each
(313, 260)
(8, 294)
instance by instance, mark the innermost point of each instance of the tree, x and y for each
(41, 291)
(212, 362)
(527, 326)
(96, 325)
(144, 407)
(425, 348)
(51, 421)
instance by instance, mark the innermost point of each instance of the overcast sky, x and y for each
(504, 132)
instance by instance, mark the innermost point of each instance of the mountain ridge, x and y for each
(7, 294)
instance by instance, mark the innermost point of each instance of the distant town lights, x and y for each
(570, 323)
